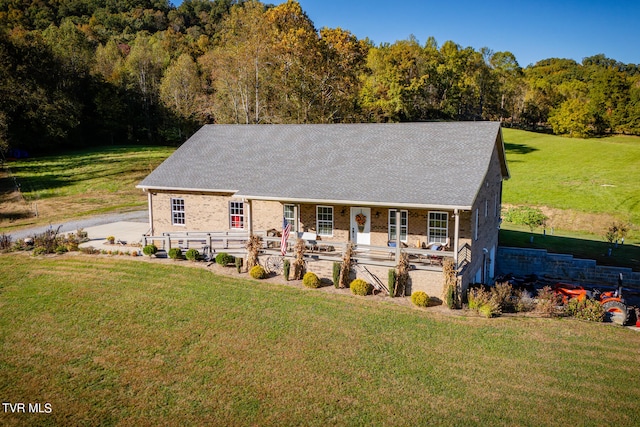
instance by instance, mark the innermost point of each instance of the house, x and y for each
(384, 187)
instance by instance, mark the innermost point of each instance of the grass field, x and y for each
(589, 176)
(117, 342)
(77, 184)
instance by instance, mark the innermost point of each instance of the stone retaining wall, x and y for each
(520, 261)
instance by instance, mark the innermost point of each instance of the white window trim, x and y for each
(318, 220)
(446, 228)
(174, 212)
(293, 221)
(243, 220)
(405, 227)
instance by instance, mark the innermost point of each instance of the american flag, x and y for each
(286, 228)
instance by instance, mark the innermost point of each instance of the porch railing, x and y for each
(234, 242)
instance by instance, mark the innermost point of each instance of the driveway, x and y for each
(127, 227)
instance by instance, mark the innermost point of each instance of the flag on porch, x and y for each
(286, 229)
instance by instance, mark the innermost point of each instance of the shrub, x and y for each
(5, 242)
(501, 295)
(450, 291)
(391, 281)
(192, 254)
(311, 280)
(419, 298)
(587, 309)
(524, 215)
(523, 301)
(257, 272)
(336, 274)
(89, 250)
(150, 250)
(61, 249)
(482, 302)
(547, 302)
(175, 253)
(224, 258)
(111, 239)
(286, 268)
(47, 242)
(360, 287)
(238, 263)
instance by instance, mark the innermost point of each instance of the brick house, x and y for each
(440, 182)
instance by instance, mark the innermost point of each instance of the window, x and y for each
(177, 212)
(324, 220)
(236, 215)
(403, 225)
(290, 216)
(438, 227)
(475, 229)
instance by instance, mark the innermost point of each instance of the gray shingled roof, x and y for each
(418, 164)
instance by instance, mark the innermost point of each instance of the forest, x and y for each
(77, 73)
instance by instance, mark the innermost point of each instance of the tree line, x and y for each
(92, 72)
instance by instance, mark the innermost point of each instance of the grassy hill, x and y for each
(116, 342)
(76, 184)
(584, 184)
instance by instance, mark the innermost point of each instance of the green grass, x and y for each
(587, 175)
(80, 183)
(121, 342)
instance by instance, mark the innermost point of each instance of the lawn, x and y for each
(599, 176)
(109, 341)
(75, 184)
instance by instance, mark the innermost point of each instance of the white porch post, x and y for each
(150, 203)
(249, 224)
(398, 241)
(456, 237)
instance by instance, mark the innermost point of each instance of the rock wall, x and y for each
(520, 261)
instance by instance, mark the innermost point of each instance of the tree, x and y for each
(180, 90)
(144, 65)
(239, 67)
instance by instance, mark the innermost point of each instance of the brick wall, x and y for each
(521, 261)
(430, 282)
(487, 206)
(203, 212)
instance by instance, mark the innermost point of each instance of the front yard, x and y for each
(107, 340)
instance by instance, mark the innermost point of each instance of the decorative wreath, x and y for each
(361, 219)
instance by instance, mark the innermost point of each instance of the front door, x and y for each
(361, 226)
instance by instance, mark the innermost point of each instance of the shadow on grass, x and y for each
(511, 147)
(627, 255)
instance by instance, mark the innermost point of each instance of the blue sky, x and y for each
(532, 30)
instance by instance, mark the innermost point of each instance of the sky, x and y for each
(532, 30)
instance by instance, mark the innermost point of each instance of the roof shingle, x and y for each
(418, 164)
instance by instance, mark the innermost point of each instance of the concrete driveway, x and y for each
(125, 232)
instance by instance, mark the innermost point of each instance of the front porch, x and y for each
(234, 243)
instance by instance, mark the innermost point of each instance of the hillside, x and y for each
(581, 184)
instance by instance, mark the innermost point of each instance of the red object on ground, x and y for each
(638, 323)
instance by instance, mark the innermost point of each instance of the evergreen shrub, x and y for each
(311, 280)
(360, 287)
